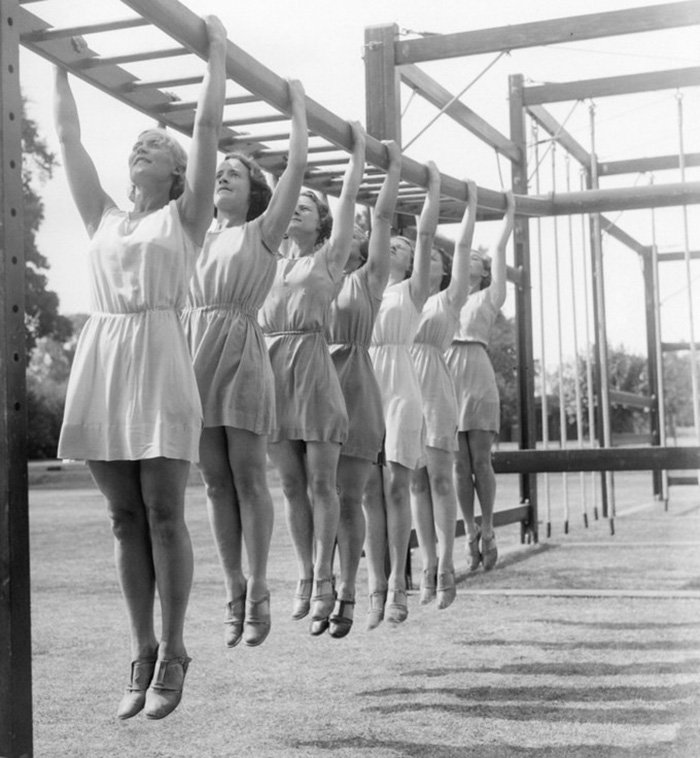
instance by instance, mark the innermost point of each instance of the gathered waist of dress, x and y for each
(469, 342)
(138, 311)
(244, 310)
(350, 343)
(295, 332)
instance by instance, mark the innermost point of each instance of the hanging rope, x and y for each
(552, 140)
(543, 362)
(590, 399)
(661, 394)
(689, 284)
(574, 309)
(454, 99)
(410, 100)
(560, 343)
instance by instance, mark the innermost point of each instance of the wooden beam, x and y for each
(612, 230)
(629, 399)
(382, 91)
(672, 347)
(74, 31)
(645, 165)
(677, 256)
(436, 94)
(545, 119)
(613, 85)
(549, 32)
(597, 459)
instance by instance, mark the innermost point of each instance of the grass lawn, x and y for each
(584, 645)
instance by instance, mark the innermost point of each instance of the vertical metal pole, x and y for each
(15, 630)
(523, 307)
(603, 373)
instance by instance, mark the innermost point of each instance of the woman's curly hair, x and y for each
(325, 220)
(260, 192)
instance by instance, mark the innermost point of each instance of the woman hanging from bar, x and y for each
(387, 499)
(477, 394)
(353, 313)
(311, 421)
(433, 498)
(233, 276)
(132, 407)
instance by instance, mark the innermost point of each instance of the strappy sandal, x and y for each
(340, 621)
(490, 552)
(257, 621)
(233, 620)
(302, 599)
(446, 590)
(473, 552)
(397, 608)
(134, 698)
(165, 692)
(428, 586)
(321, 606)
(375, 612)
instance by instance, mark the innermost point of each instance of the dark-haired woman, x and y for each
(387, 497)
(312, 421)
(352, 318)
(132, 407)
(233, 276)
(478, 403)
(433, 498)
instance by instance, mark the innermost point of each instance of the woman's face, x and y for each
(305, 218)
(437, 268)
(477, 270)
(400, 254)
(152, 156)
(232, 185)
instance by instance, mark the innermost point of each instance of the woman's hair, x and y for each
(486, 263)
(325, 220)
(362, 238)
(446, 267)
(180, 159)
(260, 192)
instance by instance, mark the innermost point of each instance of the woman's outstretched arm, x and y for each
(458, 290)
(427, 225)
(498, 254)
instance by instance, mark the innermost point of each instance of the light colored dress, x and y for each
(233, 275)
(309, 402)
(438, 324)
(353, 313)
(394, 331)
(475, 382)
(132, 392)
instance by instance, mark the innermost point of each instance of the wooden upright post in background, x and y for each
(15, 631)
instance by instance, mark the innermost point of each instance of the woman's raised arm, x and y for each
(427, 226)
(458, 289)
(498, 254)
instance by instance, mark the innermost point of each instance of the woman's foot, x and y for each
(321, 605)
(302, 599)
(134, 698)
(473, 552)
(257, 621)
(397, 606)
(490, 552)
(233, 620)
(375, 612)
(428, 585)
(340, 621)
(165, 692)
(446, 590)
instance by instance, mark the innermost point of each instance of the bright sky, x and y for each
(321, 44)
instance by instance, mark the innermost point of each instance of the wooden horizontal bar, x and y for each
(517, 515)
(613, 85)
(672, 347)
(252, 120)
(617, 199)
(45, 35)
(118, 60)
(548, 32)
(646, 165)
(630, 399)
(330, 161)
(181, 81)
(677, 256)
(675, 481)
(312, 150)
(191, 105)
(545, 119)
(625, 439)
(598, 459)
(436, 94)
(260, 137)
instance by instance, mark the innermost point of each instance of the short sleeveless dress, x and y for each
(353, 313)
(232, 277)
(309, 402)
(438, 324)
(393, 334)
(475, 382)
(132, 392)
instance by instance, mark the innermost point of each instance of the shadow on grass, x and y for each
(624, 625)
(660, 644)
(648, 668)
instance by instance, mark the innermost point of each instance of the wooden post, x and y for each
(523, 309)
(652, 364)
(15, 631)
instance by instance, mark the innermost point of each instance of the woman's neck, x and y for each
(301, 245)
(146, 201)
(230, 218)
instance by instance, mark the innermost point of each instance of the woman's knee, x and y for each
(127, 520)
(322, 485)
(441, 483)
(419, 482)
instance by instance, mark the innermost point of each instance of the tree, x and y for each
(41, 304)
